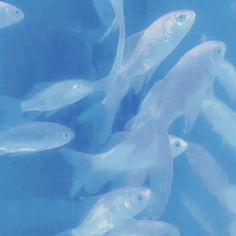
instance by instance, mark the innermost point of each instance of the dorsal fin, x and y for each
(130, 45)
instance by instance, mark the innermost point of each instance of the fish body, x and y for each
(34, 137)
(145, 227)
(58, 95)
(184, 87)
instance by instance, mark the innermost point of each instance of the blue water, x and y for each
(58, 40)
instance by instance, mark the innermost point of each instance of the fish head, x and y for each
(59, 135)
(10, 15)
(177, 145)
(178, 23)
(211, 52)
(132, 200)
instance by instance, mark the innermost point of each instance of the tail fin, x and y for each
(85, 173)
(82, 164)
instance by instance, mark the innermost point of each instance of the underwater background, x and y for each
(58, 39)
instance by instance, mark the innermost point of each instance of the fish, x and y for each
(143, 53)
(179, 93)
(113, 209)
(217, 113)
(34, 137)
(54, 96)
(145, 227)
(138, 177)
(182, 90)
(212, 176)
(93, 170)
(9, 15)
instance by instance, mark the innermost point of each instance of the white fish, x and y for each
(9, 15)
(144, 51)
(212, 176)
(226, 75)
(34, 137)
(191, 78)
(138, 177)
(112, 210)
(59, 94)
(221, 118)
(180, 93)
(144, 228)
(93, 170)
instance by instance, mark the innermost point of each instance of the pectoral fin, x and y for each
(130, 45)
(190, 119)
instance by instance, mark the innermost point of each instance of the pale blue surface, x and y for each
(57, 40)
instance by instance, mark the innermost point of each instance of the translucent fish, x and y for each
(138, 177)
(226, 75)
(60, 94)
(212, 176)
(93, 170)
(34, 137)
(144, 52)
(9, 15)
(217, 113)
(112, 210)
(191, 78)
(145, 227)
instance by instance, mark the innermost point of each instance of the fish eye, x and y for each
(140, 197)
(218, 51)
(180, 18)
(66, 135)
(177, 144)
(17, 12)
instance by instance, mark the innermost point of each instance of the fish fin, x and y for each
(190, 119)
(113, 27)
(130, 45)
(101, 118)
(37, 88)
(82, 164)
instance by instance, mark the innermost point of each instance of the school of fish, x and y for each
(126, 175)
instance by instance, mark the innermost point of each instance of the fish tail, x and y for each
(82, 164)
